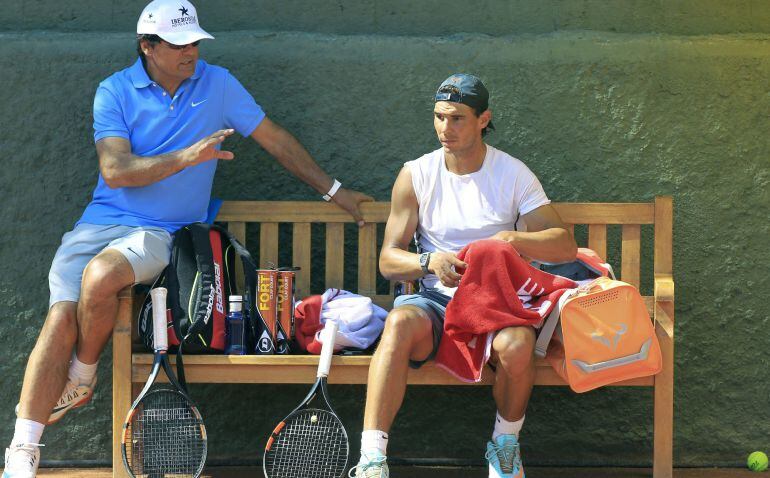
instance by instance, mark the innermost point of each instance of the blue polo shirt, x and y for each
(130, 105)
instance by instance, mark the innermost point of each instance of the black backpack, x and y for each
(199, 279)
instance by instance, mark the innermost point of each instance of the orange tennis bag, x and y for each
(606, 336)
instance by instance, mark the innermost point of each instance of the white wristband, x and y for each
(335, 187)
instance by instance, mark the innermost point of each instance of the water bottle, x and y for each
(235, 331)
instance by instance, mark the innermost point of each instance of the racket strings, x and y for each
(312, 444)
(165, 437)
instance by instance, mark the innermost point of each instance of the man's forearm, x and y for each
(550, 245)
(398, 264)
(295, 158)
(121, 170)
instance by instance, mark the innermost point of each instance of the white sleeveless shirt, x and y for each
(455, 210)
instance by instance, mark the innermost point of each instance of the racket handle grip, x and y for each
(159, 325)
(329, 334)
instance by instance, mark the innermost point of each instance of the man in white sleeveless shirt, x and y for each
(462, 192)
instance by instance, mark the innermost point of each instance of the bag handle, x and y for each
(249, 270)
(549, 326)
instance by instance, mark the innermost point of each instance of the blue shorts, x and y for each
(147, 249)
(434, 304)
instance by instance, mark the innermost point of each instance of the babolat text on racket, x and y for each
(163, 434)
(311, 441)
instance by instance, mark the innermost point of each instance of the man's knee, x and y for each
(515, 347)
(407, 326)
(408, 335)
(106, 274)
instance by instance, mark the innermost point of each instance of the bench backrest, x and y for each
(589, 222)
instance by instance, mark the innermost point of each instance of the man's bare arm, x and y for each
(121, 168)
(295, 158)
(396, 262)
(547, 238)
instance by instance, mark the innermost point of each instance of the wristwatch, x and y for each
(424, 262)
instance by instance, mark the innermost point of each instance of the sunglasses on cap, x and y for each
(181, 47)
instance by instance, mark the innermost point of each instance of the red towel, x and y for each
(498, 289)
(307, 317)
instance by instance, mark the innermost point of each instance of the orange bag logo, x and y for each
(599, 337)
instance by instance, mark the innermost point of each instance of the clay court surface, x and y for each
(441, 472)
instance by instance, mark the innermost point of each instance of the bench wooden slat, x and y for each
(268, 244)
(238, 229)
(335, 255)
(301, 257)
(367, 260)
(302, 369)
(302, 211)
(606, 213)
(298, 211)
(597, 239)
(630, 254)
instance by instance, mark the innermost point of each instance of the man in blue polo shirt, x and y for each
(158, 127)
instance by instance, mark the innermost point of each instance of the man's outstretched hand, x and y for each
(205, 149)
(350, 201)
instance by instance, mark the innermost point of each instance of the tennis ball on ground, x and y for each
(757, 461)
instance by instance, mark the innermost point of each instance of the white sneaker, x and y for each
(21, 460)
(73, 396)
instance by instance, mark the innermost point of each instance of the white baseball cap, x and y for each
(175, 21)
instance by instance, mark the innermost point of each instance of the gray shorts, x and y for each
(434, 304)
(147, 249)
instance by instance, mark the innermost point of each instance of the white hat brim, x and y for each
(183, 38)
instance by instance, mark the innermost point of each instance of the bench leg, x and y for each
(121, 377)
(664, 403)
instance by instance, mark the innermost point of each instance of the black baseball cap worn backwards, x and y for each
(467, 90)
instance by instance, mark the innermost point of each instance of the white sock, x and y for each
(504, 427)
(27, 431)
(81, 373)
(374, 441)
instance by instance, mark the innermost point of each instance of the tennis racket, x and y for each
(163, 434)
(310, 442)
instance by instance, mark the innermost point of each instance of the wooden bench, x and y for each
(131, 363)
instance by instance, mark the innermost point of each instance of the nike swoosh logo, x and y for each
(194, 104)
